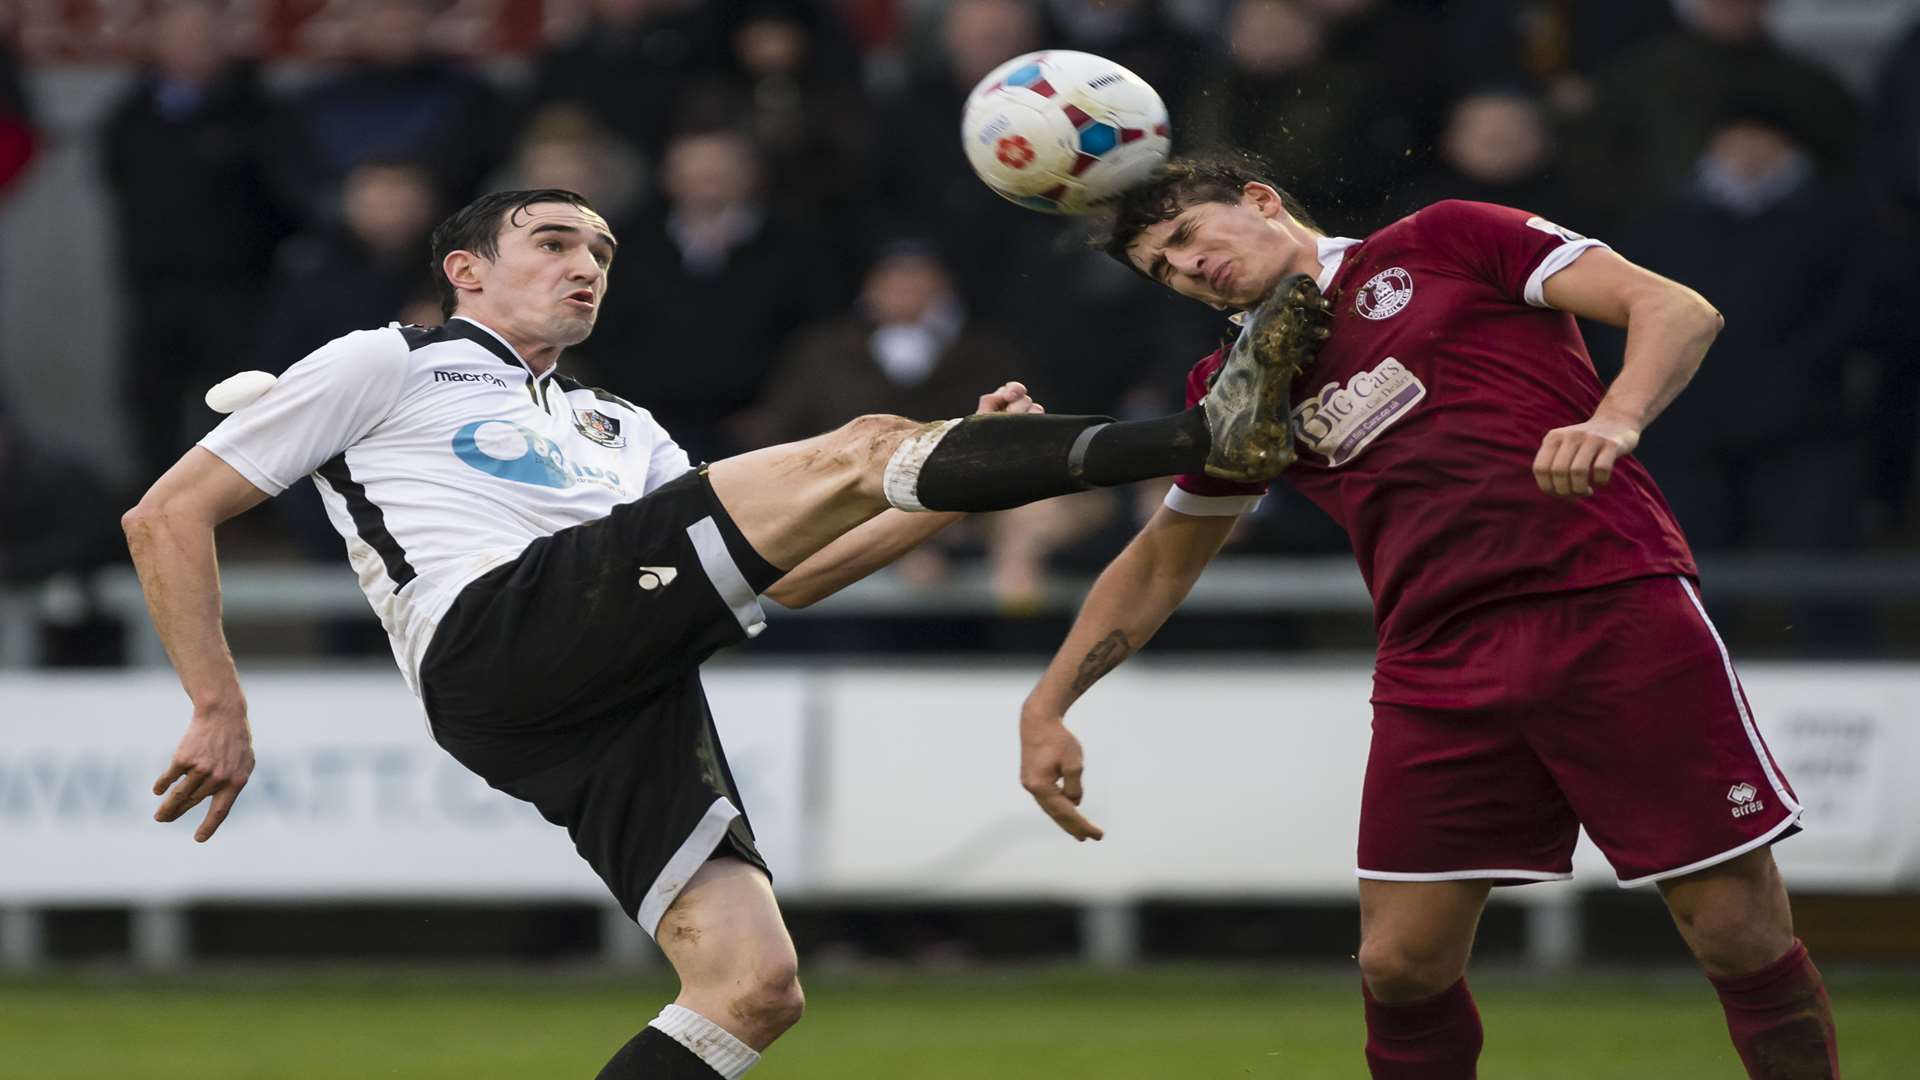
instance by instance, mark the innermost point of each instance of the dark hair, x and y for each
(1174, 187)
(475, 227)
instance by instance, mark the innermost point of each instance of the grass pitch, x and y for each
(1157, 1024)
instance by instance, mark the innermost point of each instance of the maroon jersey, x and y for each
(1419, 422)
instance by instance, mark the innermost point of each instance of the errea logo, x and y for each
(1745, 799)
(463, 376)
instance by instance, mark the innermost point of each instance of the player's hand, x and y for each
(1573, 461)
(213, 761)
(1011, 399)
(1050, 768)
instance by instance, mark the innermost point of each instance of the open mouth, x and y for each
(583, 297)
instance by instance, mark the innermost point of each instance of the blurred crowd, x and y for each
(801, 240)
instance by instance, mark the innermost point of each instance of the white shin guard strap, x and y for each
(709, 1041)
(901, 482)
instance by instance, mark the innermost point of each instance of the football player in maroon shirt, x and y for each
(1545, 661)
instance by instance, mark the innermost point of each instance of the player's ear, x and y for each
(464, 269)
(1263, 198)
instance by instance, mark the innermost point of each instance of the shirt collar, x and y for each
(1331, 251)
(471, 329)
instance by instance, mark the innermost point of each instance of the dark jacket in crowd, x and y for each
(629, 78)
(696, 347)
(187, 172)
(329, 284)
(433, 111)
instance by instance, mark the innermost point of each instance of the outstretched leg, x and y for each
(739, 981)
(792, 500)
(1736, 918)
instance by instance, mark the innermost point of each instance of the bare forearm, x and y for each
(1667, 338)
(181, 581)
(860, 552)
(1129, 603)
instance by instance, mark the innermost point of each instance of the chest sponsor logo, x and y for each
(469, 376)
(504, 449)
(1385, 294)
(1341, 421)
(599, 427)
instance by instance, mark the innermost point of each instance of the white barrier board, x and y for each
(350, 796)
(901, 781)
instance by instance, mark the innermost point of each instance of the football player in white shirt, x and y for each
(553, 570)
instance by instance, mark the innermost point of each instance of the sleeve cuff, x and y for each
(249, 471)
(1556, 260)
(1182, 501)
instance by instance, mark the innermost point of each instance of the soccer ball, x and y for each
(1062, 132)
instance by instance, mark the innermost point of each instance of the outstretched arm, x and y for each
(1132, 598)
(877, 543)
(1669, 328)
(170, 535)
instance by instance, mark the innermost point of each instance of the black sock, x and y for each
(655, 1055)
(997, 462)
(1130, 450)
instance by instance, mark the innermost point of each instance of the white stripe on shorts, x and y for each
(1740, 704)
(690, 857)
(727, 579)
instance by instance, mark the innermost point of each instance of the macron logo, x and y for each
(657, 577)
(461, 376)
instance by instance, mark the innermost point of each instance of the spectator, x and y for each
(184, 161)
(715, 287)
(368, 270)
(1396, 47)
(910, 349)
(563, 147)
(1561, 43)
(1653, 108)
(794, 84)
(397, 98)
(627, 64)
(1764, 425)
(1281, 96)
(1894, 425)
(1496, 148)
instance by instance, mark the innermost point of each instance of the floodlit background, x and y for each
(191, 189)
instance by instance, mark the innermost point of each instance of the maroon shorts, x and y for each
(1614, 708)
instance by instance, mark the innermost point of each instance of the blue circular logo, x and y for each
(505, 449)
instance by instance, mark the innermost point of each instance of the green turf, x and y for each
(1156, 1024)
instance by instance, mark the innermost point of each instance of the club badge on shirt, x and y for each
(599, 427)
(1385, 294)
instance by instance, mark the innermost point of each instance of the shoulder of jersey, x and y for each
(569, 384)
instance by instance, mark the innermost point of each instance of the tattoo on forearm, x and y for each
(1101, 659)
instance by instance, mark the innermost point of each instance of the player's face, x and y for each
(550, 276)
(1226, 255)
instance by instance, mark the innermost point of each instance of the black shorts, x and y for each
(570, 678)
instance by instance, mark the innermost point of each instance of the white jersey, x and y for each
(440, 456)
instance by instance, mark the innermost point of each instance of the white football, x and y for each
(1062, 131)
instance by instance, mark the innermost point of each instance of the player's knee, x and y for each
(1729, 937)
(771, 1001)
(1398, 972)
(868, 441)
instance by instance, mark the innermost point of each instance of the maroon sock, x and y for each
(1781, 1020)
(1435, 1039)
